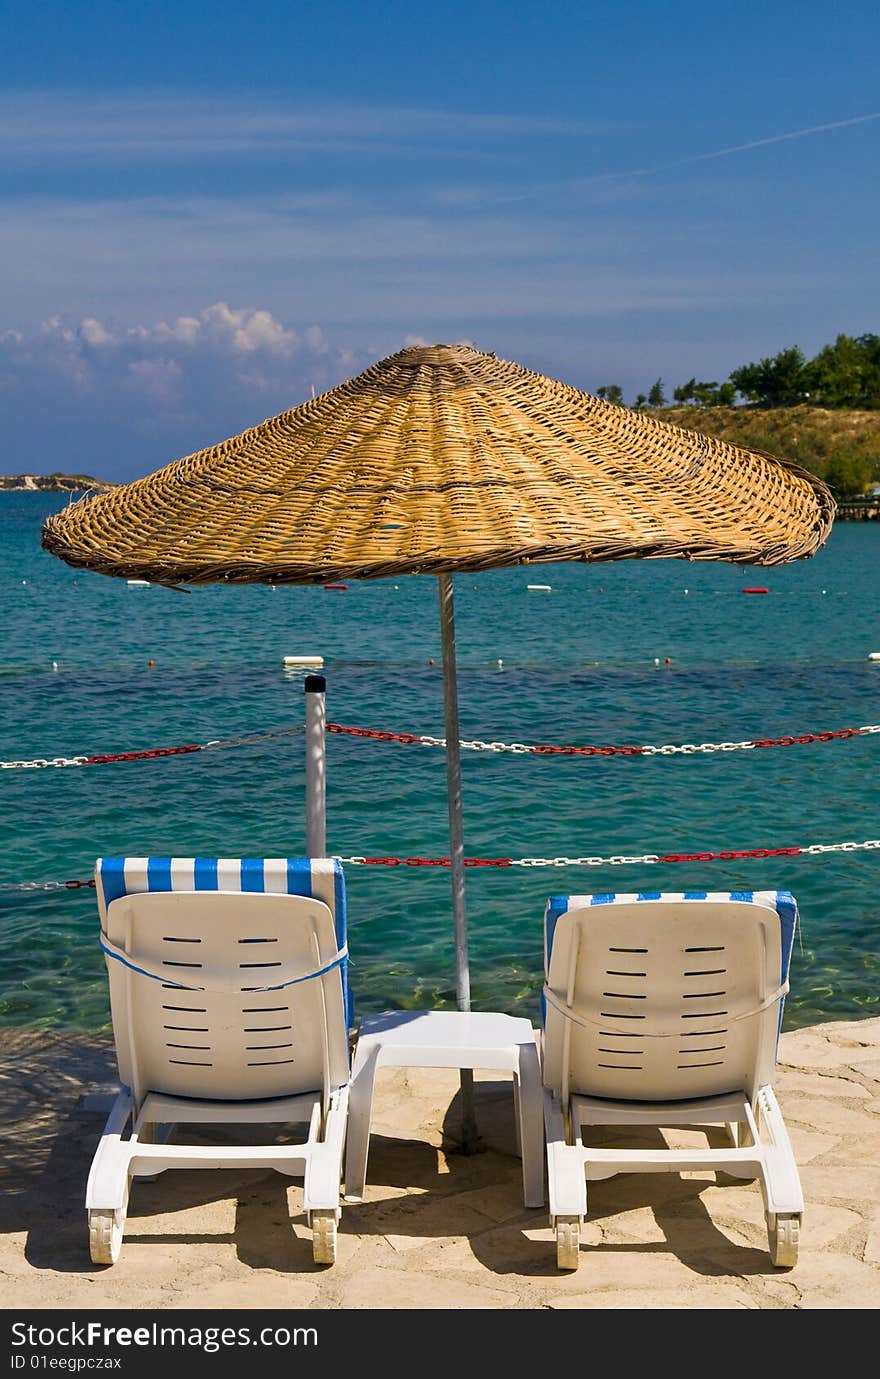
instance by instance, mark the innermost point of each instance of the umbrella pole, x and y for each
(456, 845)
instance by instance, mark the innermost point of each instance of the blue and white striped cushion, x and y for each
(319, 878)
(783, 902)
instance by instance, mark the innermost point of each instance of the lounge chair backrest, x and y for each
(664, 997)
(227, 977)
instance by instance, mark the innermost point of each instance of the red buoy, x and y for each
(335, 586)
(756, 591)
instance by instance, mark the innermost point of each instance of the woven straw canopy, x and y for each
(440, 459)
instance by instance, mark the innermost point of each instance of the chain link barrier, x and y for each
(152, 753)
(620, 859)
(647, 859)
(424, 740)
(543, 749)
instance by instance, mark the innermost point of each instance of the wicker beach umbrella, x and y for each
(442, 459)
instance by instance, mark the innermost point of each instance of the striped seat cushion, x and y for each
(783, 902)
(319, 878)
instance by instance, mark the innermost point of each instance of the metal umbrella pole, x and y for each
(456, 844)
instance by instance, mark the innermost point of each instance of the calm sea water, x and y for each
(578, 666)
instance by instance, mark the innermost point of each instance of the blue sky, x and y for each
(208, 210)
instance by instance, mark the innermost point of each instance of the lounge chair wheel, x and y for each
(784, 1231)
(324, 1237)
(105, 1235)
(568, 1242)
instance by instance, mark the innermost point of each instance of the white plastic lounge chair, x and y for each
(229, 1000)
(664, 1010)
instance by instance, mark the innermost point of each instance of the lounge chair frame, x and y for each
(674, 1003)
(229, 1007)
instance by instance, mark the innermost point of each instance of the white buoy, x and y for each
(656, 660)
(307, 662)
(874, 655)
(539, 588)
(138, 583)
(500, 663)
(54, 665)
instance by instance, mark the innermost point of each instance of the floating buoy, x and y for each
(138, 583)
(756, 591)
(151, 663)
(874, 655)
(54, 665)
(335, 586)
(500, 664)
(312, 662)
(540, 588)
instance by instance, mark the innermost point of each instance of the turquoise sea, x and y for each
(578, 667)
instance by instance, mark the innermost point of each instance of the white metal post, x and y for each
(316, 766)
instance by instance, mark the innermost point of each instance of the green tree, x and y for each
(847, 373)
(783, 380)
(656, 397)
(611, 393)
(640, 403)
(706, 394)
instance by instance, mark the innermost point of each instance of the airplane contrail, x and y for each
(773, 139)
(619, 174)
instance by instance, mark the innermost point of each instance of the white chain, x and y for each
(617, 861)
(39, 762)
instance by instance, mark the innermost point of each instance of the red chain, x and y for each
(374, 733)
(544, 751)
(805, 737)
(107, 757)
(729, 856)
(436, 862)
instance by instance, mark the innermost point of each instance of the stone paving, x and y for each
(438, 1230)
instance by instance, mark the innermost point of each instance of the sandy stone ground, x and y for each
(438, 1230)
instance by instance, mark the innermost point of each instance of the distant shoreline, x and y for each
(53, 483)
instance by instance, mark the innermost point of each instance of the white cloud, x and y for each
(219, 328)
(118, 399)
(249, 331)
(94, 333)
(70, 126)
(185, 328)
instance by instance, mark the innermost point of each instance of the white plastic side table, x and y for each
(448, 1039)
